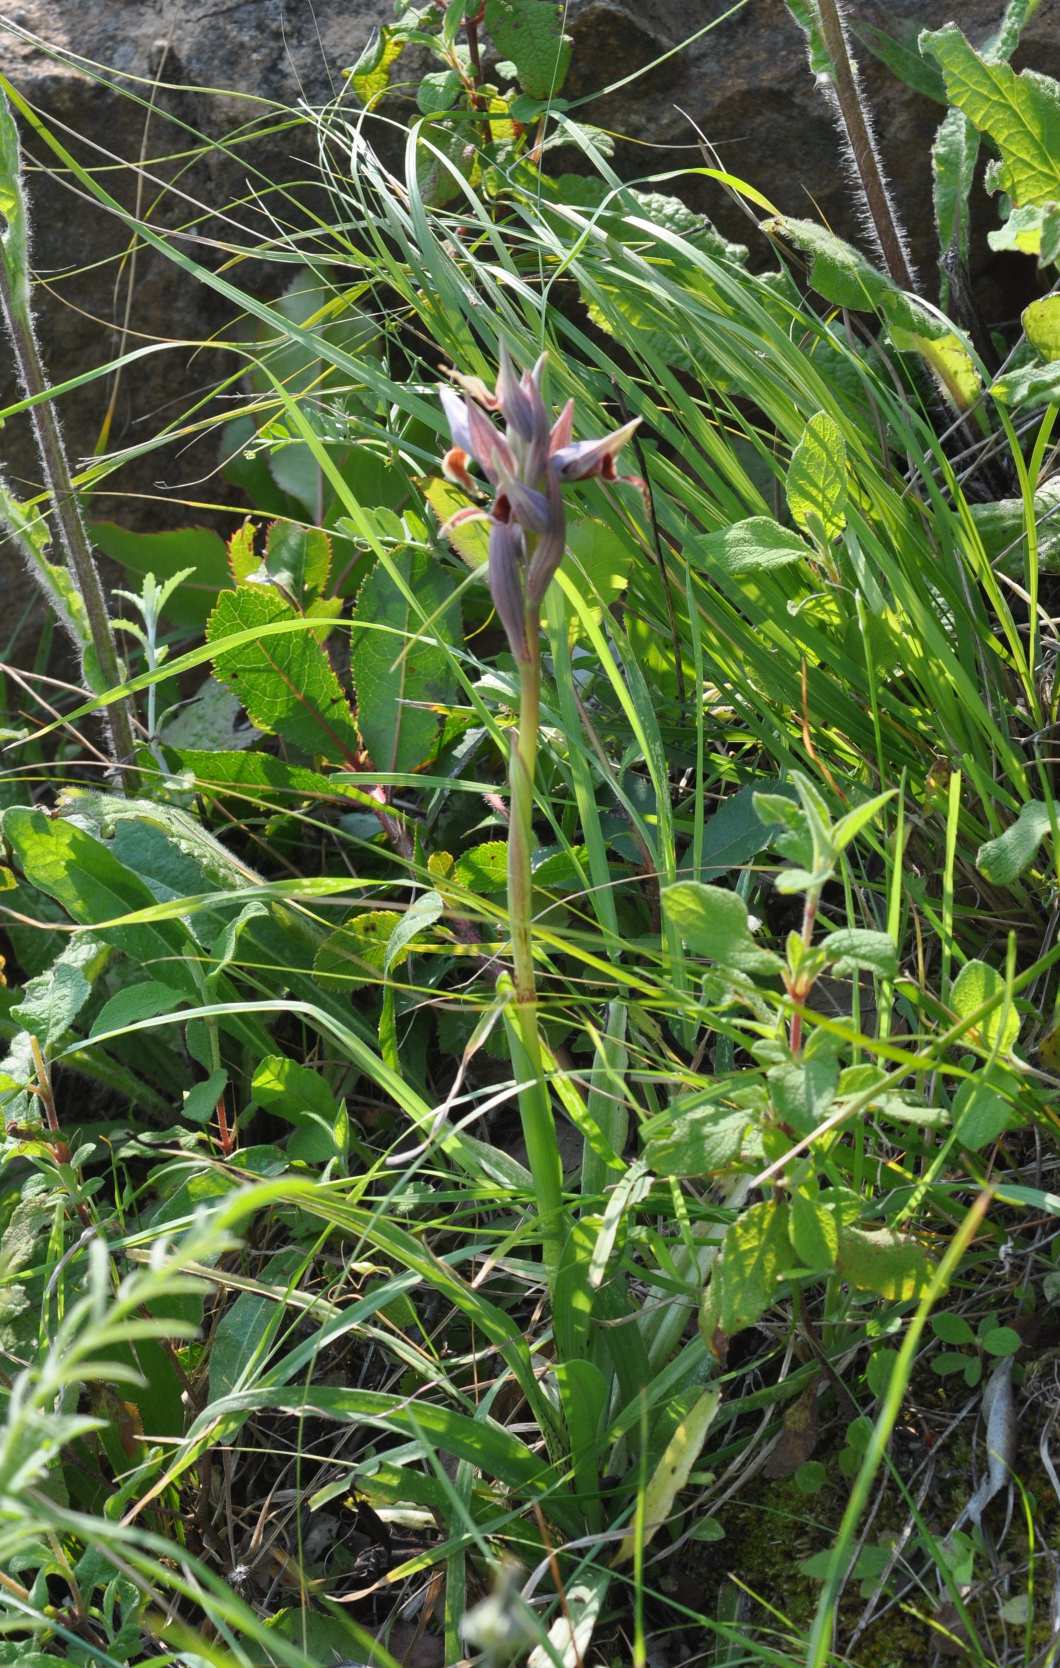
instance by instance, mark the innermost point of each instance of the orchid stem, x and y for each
(535, 1106)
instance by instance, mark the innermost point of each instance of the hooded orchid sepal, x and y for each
(526, 466)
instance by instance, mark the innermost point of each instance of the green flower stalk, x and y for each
(527, 467)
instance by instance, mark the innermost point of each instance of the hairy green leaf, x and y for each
(530, 33)
(1003, 860)
(714, 922)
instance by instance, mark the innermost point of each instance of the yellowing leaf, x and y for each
(879, 1260)
(470, 539)
(948, 360)
(1041, 321)
(672, 1472)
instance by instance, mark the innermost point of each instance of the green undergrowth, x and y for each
(529, 1084)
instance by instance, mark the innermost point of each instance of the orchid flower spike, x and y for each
(526, 467)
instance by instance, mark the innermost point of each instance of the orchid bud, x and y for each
(507, 553)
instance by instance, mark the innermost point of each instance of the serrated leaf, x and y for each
(402, 672)
(672, 1473)
(242, 556)
(530, 33)
(714, 922)
(482, 868)
(356, 954)
(852, 947)
(754, 1256)
(286, 682)
(1020, 113)
(816, 484)
(976, 983)
(1003, 860)
(883, 1261)
(749, 546)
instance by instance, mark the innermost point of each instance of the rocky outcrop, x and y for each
(230, 69)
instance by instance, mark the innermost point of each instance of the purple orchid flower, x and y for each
(526, 466)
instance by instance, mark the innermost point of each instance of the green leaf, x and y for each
(849, 826)
(298, 559)
(302, 1098)
(671, 1474)
(755, 1254)
(883, 1261)
(482, 869)
(952, 1329)
(199, 1103)
(714, 922)
(164, 554)
(92, 885)
(816, 484)
(953, 159)
(51, 1002)
(749, 546)
(1020, 113)
(356, 954)
(1001, 1340)
(530, 33)
(979, 1114)
(261, 778)
(852, 947)
(245, 1325)
(136, 1002)
(704, 1142)
(1030, 385)
(899, 53)
(843, 276)
(814, 1231)
(1041, 321)
(1031, 231)
(976, 983)
(735, 834)
(403, 672)
(802, 1090)
(880, 1367)
(285, 682)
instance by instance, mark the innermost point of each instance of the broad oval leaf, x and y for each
(976, 983)
(816, 483)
